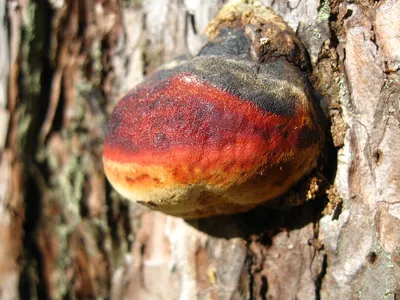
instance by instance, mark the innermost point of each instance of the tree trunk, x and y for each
(65, 233)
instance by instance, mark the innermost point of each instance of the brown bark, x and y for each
(64, 233)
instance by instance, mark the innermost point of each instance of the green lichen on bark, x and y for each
(31, 71)
(31, 81)
(324, 11)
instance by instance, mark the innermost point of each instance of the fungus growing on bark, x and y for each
(223, 131)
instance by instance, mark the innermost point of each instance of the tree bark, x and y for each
(64, 232)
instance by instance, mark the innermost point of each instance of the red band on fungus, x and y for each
(191, 125)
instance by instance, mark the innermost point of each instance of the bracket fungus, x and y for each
(221, 132)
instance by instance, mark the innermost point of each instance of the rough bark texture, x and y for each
(64, 233)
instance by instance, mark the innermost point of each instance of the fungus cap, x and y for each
(218, 133)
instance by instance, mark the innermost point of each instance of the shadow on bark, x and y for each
(261, 220)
